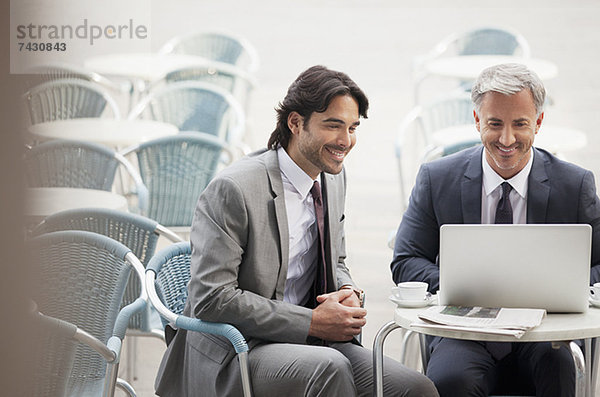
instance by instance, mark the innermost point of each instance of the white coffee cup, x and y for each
(413, 291)
(595, 291)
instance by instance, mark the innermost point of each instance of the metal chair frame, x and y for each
(167, 276)
(66, 99)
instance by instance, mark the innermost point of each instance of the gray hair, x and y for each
(508, 79)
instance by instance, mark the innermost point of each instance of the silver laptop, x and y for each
(530, 266)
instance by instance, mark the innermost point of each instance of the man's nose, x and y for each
(507, 137)
(344, 138)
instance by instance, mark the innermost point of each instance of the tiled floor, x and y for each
(374, 43)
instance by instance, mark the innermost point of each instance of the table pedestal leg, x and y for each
(378, 356)
(581, 378)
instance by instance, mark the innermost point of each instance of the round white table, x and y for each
(44, 201)
(141, 66)
(555, 327)
(468, 67)
(555, 139)
(110, 132)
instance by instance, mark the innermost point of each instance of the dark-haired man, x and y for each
(264, 263)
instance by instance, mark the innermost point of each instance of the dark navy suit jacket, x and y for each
(448, 191)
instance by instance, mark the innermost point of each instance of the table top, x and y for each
(555, 139)
(554, 327)
(44, 201)
(144, 66)
(468, 67)
(110, 132)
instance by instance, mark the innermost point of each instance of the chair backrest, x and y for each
(58, 71)
(194, 106)
(217, 46)
(138, 233)
(492, 41)
(445, 112)
(80, 277)
(176, 169)
(236, 81)
(66, 163)
(485, 40)
(68, 99)
(172, 268)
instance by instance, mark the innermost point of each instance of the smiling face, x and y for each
(322, 142)
(508, 125)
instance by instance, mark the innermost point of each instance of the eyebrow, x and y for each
(339, 121)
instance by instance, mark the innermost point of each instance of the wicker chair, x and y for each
(66, 163)
(138, 233)
(236, 81)
(194, 106)
(176, 169)
(485, 40)
(68, 99)
(216, 46)
(80, 278)
(167, 276)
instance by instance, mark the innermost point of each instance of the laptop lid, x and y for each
(531, 266)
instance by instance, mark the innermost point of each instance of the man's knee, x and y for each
(332, 373)
(455, 382)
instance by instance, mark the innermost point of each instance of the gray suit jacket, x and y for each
(448, 191)
(239, 265)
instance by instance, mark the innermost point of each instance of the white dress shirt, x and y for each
(302, 228)
(491, 192)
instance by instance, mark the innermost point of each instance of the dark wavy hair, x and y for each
(311, 92)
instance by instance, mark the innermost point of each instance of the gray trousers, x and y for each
(342, 369)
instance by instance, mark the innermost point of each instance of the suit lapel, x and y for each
(276, 184)
(538, 190)
(471, 189)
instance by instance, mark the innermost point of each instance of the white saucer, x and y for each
(414, 303)
(594, 302)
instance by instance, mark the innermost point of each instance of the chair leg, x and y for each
(245, 373)
(378, 356)
(126, 387)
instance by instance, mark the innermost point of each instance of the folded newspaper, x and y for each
(498, 321)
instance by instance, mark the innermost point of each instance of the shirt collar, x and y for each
(297, 177)
(491, 180)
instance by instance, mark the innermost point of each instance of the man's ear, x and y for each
(476, 117)
(294, 122)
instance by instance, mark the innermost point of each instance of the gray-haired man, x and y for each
(467, 188)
